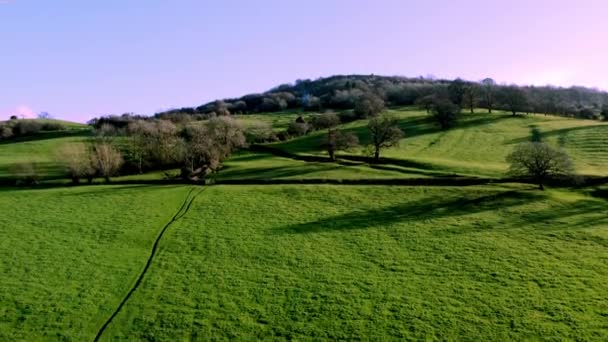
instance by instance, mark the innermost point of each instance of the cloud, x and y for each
(22, 111)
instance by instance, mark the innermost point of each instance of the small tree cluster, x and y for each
(26, 127)
(83, 161)
(205, 147)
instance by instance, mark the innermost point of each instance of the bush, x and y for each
(325, 121)
(297, 129)
(52, 126)
(26, 127)
(445, 113)
(25, 174)
(5, 132)
(78, 162)
(259, 132)
(369, 105)
(347, 116)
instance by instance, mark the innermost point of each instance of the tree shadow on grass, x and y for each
(560, 133)
(274, 172)
(47, 136)
(412, 127)
(425, 209)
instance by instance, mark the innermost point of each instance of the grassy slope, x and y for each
(378, 262)
(246, 165)
(480, 142)
(67, 256)
(279, 121)
(39, 149)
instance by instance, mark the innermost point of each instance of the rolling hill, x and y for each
(314, 261)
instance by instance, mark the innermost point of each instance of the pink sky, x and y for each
(78, 59)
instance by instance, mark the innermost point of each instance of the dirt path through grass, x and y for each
(183, 210)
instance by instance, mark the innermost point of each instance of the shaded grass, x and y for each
(326, 262)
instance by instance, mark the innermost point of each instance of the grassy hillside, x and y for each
(40, 149)
(493, 262)
(326, 262)
(480, 142)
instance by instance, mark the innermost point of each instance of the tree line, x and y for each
(197, 149)
(345, 92)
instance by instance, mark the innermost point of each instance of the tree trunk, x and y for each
(332, 153)
(541, 186)
(377, 155)
(75, 180)
(107, 178)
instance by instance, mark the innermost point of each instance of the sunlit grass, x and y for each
(328, 262)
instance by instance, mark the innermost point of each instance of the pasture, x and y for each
(306, 261)
(295, 261)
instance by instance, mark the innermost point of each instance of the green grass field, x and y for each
(315, 262)
(300, 262)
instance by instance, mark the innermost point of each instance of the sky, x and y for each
(79, 59)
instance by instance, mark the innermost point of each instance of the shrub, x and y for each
(78, 161)
(5, 132)
(25, 174)
(325, 121)
(26, 127)
(369, 105)
(445, 113)
(107, 160)
(52, 126)
(297, 129)
(259, 132)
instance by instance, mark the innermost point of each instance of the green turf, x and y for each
(330, 262)
(68, 256)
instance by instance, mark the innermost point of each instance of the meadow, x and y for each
(307, 261)
(315, 262)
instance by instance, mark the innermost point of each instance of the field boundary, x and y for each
(182, 211)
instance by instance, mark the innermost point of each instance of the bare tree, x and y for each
(514, 98)
(470, 96)
(205, 147)
(539, 161)
(107, 159)
(140, 135)
(77, 160)
(384, 132)
(489, 86)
